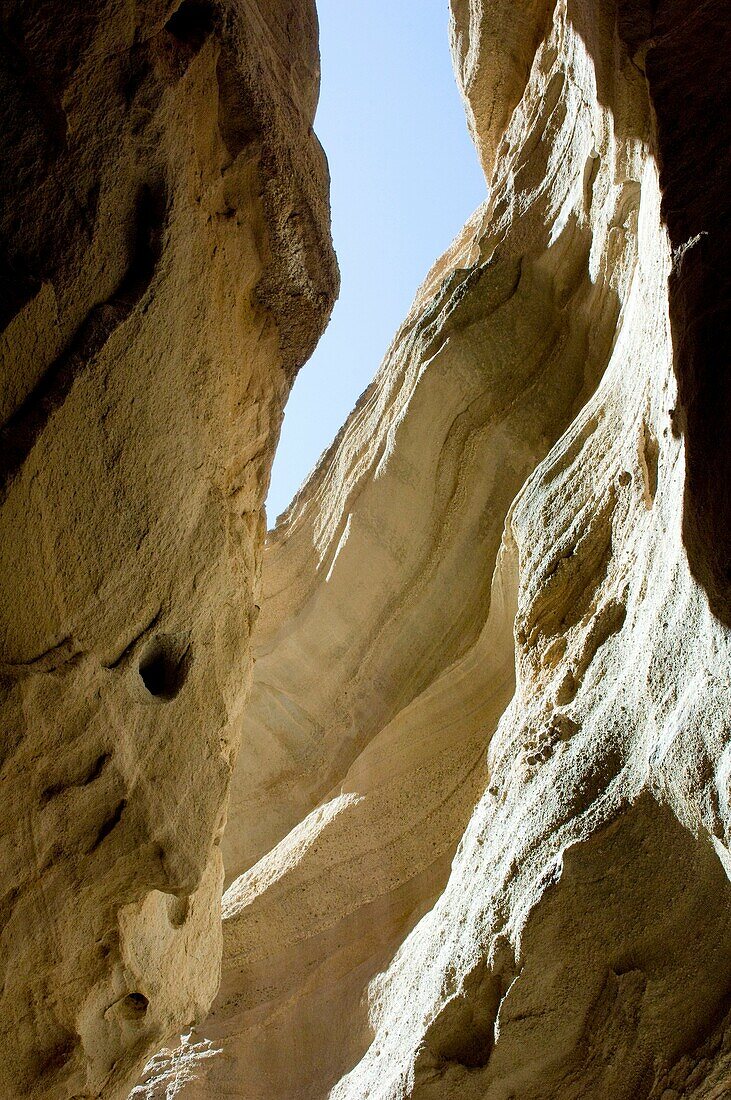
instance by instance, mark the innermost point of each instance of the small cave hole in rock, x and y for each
(164, 665)
(133, 1006)
(177, 909)
(191, 23)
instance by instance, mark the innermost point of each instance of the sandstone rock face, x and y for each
(479, 830)
(167, 267)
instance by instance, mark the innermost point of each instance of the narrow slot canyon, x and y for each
(426, 792)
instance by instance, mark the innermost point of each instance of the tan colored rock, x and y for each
(167, 267)
(480, 821)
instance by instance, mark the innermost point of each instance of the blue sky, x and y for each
(405, 178)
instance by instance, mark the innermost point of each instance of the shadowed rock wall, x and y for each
(166, 268)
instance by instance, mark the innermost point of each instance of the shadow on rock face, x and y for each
(682, 57)
(695, 165)
(626, 969)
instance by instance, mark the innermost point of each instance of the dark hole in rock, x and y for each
(146, 245)
(178, 910)
(164, 665)
(133, 1006)
(191, 23)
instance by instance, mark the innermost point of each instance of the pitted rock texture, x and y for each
(478, 842)
(166, 269)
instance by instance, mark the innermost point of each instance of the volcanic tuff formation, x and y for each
(479, 828)
(166, 268)
(478, 839)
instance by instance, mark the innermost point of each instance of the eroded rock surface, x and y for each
(479, 833)
(166, 269)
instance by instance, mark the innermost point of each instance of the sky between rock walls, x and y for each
(405, 178)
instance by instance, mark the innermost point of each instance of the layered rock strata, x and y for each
(166, 268)
(479, 832)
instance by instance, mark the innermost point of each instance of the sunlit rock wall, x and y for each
(479, 833)
(166, 268)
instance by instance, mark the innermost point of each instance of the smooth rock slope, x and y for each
(479, 830)
(166, 268)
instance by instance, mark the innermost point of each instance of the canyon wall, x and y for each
(478, 842)
(166, 269)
